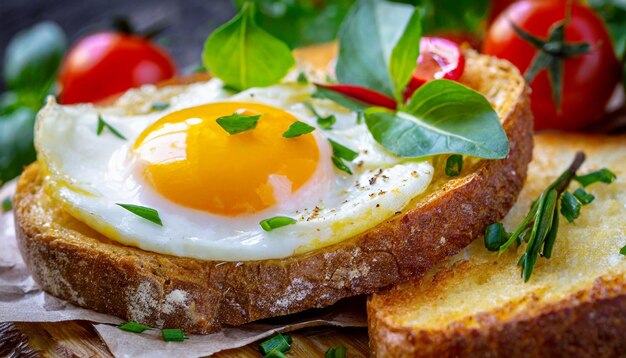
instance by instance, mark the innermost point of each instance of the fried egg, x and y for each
(211, 189)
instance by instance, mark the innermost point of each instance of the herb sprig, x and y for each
(540, 226)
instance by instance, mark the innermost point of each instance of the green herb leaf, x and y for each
(278, 343)
(343, 152)
(243, 55)
(102, 124)
(297, 129)
(442, 117)
(583, 196)
(454, 165)
(32, 59)
(404, 55)
(144, 212)
(160, 106)
(551, 238)
(16, 142)
(173, 335)
(341, 165)
(323, 122)
(495, 236)
(599, 176)
(367, 37)
(134, 327)
(325, 93)
(623, 250)
(276, 222)
(454, 16)
(570, 207)
(302, 79)
(337, 352)
(7, 205)
(237, 123)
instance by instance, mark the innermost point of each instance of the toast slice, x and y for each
(477, 305)
(72, 261)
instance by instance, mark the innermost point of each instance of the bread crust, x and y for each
(73, 262)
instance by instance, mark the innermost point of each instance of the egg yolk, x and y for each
(192, 161)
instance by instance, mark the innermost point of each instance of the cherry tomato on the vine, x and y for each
(588, 79)
(108, 63)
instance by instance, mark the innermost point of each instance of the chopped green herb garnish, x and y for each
(337, 352)
(102, 124)
(276, 222)
(454, 165)
(359, 117)
(237, 123)
(583, 196)
(341, 165)
(540, 226)
(297, 129)
(570, 207)
(623, 250)
(144, 212)
(7, 205)
(159, 106)
(302, 78)
(323, 122)
(280, 343)
(603, 175)
(134, 327)
(173, 335)
(342, 152)
(495, 236)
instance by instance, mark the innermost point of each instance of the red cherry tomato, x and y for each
(497, 7)
(362, 94)
(439, 59)
(588, 80)
(106, 64)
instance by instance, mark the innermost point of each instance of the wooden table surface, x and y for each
(79, 339)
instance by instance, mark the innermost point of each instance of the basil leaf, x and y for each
(32, 59)
(243, 55)
(367, 37)
(237, 123)
(442, 117)
(143, 212)
(276, 222)
(16, 142)
(404, 55)
(297, 129)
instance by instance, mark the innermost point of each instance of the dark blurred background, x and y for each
(189, 22)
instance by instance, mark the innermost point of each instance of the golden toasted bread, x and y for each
(477, 305)
(74, 262)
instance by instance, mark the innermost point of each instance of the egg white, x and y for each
(89, 173)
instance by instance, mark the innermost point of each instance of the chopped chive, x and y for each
(302, 79)
(454, 165)
(603, 175)
(237, 123)
(173, 335)
(583, 196)
(337, 352)
(359, 117)
(159, 106)
(144, 212)
(276, 222)
(199, 69)
(323, 122)
(7, 205)
(102, 124)
(495, 236)
(623, 250)
(275, 354)
(339, 164)
(342, 152)
(134, 327)
(280, 343)
(297, 129)
(570, 206)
